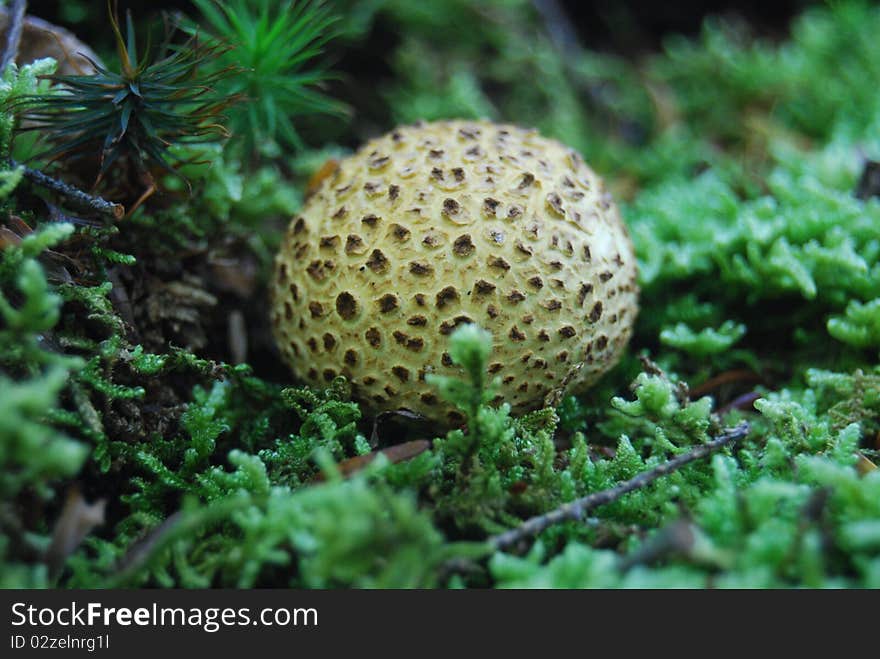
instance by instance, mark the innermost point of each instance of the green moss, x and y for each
(736, 161)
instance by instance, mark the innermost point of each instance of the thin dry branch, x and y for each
(74, 195)
(575, 510)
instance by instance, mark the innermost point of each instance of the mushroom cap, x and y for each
(439, 224)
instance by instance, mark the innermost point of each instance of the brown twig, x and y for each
(76, 196)
(394, 454)
(575, 510)
(13, 33)
(727, 377)
(677, 537)
(743, 402)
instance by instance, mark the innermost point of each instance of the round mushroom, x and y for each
(440, 224)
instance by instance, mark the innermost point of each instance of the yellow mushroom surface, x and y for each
(439, 224)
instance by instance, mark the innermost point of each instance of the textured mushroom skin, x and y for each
(439, 224)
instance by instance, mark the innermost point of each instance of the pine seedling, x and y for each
(130, 118)
(275, 45)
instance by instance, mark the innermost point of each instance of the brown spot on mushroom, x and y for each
(373, 337)
(473, 153)
(354, 244)
(388, 302)
(554, 201)
(552, 305)
(315, 270)
(567, 332)
(605, 276)
(451, 207)
(526, 181)
(346, 305)
(498, 263)
(584, 291)
(515, 296)
(420, 268)
(596, 312)
(341, 213)
(463, 245)
(400, 232)
(447, 327)
(446, 296)
(536, 282)
(316, 309)
(370, 220)
(492, 311)
(377, 261)
(329, 341)
(393, 192)
(601, 342)
(351, 357)
(490, 205)
(523, 248)
(432, 240)
(379, 162)
(417, 321)
(445, 359)
(516, 334)
(455, 418)
(483, 287)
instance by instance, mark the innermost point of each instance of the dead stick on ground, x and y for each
(13, 33)
(576, 509)
(76, 196)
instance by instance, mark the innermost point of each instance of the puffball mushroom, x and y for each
(440, 224)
